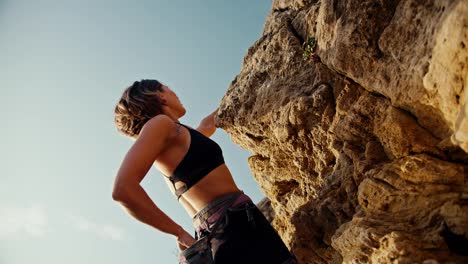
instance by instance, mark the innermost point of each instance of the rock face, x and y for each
(362, 147)
(265, 207)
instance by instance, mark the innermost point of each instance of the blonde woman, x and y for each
(194, 169)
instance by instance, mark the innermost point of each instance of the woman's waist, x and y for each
(215, 208)
(215, 184)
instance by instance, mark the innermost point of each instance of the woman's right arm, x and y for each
(127, 191)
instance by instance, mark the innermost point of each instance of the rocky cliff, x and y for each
(357, 119)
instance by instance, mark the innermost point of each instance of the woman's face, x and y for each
(172, 101)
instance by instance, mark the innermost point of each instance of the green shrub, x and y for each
(309, 47)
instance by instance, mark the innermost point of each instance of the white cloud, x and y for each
(102, 230)
(32, 221)
(17, 221)
(113, 232)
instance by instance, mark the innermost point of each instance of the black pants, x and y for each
(245, 236)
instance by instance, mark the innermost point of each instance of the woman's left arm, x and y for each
(208, 124)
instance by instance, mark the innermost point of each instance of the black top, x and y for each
(203, 156)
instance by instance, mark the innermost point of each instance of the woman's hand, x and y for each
(210, 120)
(208, 124)
(184, 240)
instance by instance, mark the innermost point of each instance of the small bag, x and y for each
(198, 253)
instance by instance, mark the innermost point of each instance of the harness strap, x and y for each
(218, 207)
(217, 223)
(180, 191)
(215, 204)
(187, 183)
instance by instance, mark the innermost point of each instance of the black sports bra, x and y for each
(203, 156)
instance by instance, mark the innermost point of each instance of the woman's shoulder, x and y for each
(161, 119)
(160, 124)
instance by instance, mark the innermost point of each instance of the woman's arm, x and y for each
(127, 190)
(208, 124)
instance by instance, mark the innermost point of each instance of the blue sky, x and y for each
(63, 66)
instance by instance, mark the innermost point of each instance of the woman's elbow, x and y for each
(117, 195)
(120, 192)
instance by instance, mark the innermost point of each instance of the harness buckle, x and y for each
(250, 217)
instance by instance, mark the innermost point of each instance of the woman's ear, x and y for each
(161, 98)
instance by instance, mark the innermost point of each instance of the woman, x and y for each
(148, 112)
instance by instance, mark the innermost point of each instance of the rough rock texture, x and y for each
(362, 148)
(265, 207)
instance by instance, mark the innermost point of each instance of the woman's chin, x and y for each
(183, 112)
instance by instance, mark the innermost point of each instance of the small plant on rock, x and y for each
(309, 47)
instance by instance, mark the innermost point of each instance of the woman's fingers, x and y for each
(215, 119)
(181, 247)
(185, 240)
(188, 240)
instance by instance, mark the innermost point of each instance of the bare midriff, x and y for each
(215, 184)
